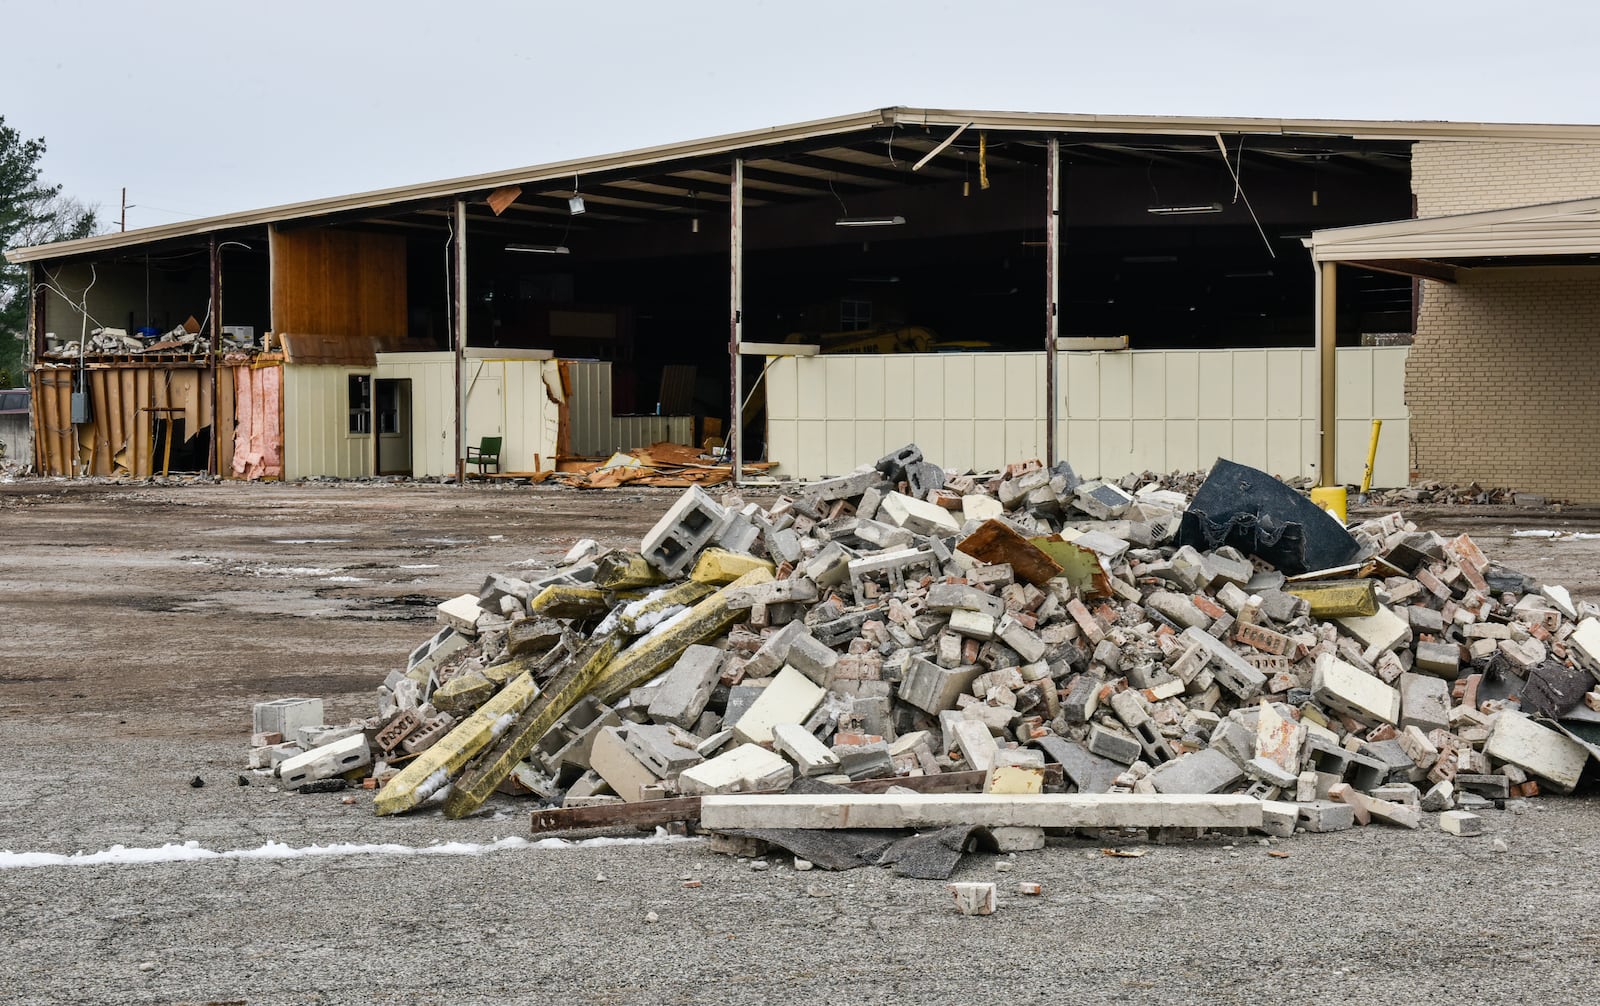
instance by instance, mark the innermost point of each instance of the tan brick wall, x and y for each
(1464, 177)
(1502, 381)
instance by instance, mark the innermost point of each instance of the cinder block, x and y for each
(286, 716)
(1017, 839)
(327, 761)
(976, 744)
(1383, 631)
(683, 531)
(438, 648)
(1278, 818)
(1116, 746)
(1353, 692)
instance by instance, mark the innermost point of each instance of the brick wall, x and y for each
(1501, 381)
(1463, 177)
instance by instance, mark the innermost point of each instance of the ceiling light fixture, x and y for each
(540, 249)
(894, 221)
(575, 204)
(1186, 209)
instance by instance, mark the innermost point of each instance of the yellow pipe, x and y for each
(1372, 456)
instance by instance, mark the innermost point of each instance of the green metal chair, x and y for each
(485, 454)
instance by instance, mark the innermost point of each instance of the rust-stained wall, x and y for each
(340, 284)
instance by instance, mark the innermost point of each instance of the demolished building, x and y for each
(1129, 292)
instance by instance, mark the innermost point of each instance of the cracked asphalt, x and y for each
(138, 624)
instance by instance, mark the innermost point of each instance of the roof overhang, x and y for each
(1563, 231)
(890, 119)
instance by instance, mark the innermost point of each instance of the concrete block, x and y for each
(327, 761)
(1101, 500)
(1443, 660)
(893, 465)
(813, 658)
(1204, 771)
(976, 743)
(891, 569)
(937, 810)
(1353, 692)
(747, 768)
(1584, 644)
(461, 613)
(799, 745)
(932, 688)
(1089, 772)
(684, 691)
(1028, 644)
(1553, 757)
(1383, 631)
(864, 761)
(686, 528)
(1178, 608)
(622, 770)
(1460, 823)
(774, 651)
(973, 898)
(1233, 672)
(1270, 772)
(1116, 746)
(1013, 839)
(1424, 702)
(980, 508)
(663, 749)
(286, 716)
(1324, 816)
(433, 652)
(972, 624)
(948, 597)
(789, 699)
(917, 516)
(1442, 796)
(1278, 818)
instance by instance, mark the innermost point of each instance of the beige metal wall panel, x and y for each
(433, 408)
(316, 433)
(1120, 412)
(828, 414)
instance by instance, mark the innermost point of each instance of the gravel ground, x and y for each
(138, 624)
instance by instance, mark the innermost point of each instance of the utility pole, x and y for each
(124, 207)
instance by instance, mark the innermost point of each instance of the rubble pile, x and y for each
(903, 648)
(1435, 493)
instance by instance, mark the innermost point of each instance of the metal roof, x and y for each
(1549, 229)
(847, 128)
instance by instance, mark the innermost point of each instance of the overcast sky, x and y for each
(202, 107)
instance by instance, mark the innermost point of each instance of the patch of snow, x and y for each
(192, 852)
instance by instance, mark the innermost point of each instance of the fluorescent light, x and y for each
(870, 221)
(540, 249)
(575, 204)
(1186, 209)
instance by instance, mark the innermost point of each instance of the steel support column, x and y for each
(459, 308)
(1327, 329)
(1052, 282)
(214, 463)
(735, 442)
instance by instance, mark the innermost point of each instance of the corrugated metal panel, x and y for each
(597, 433)
(1120, 412)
